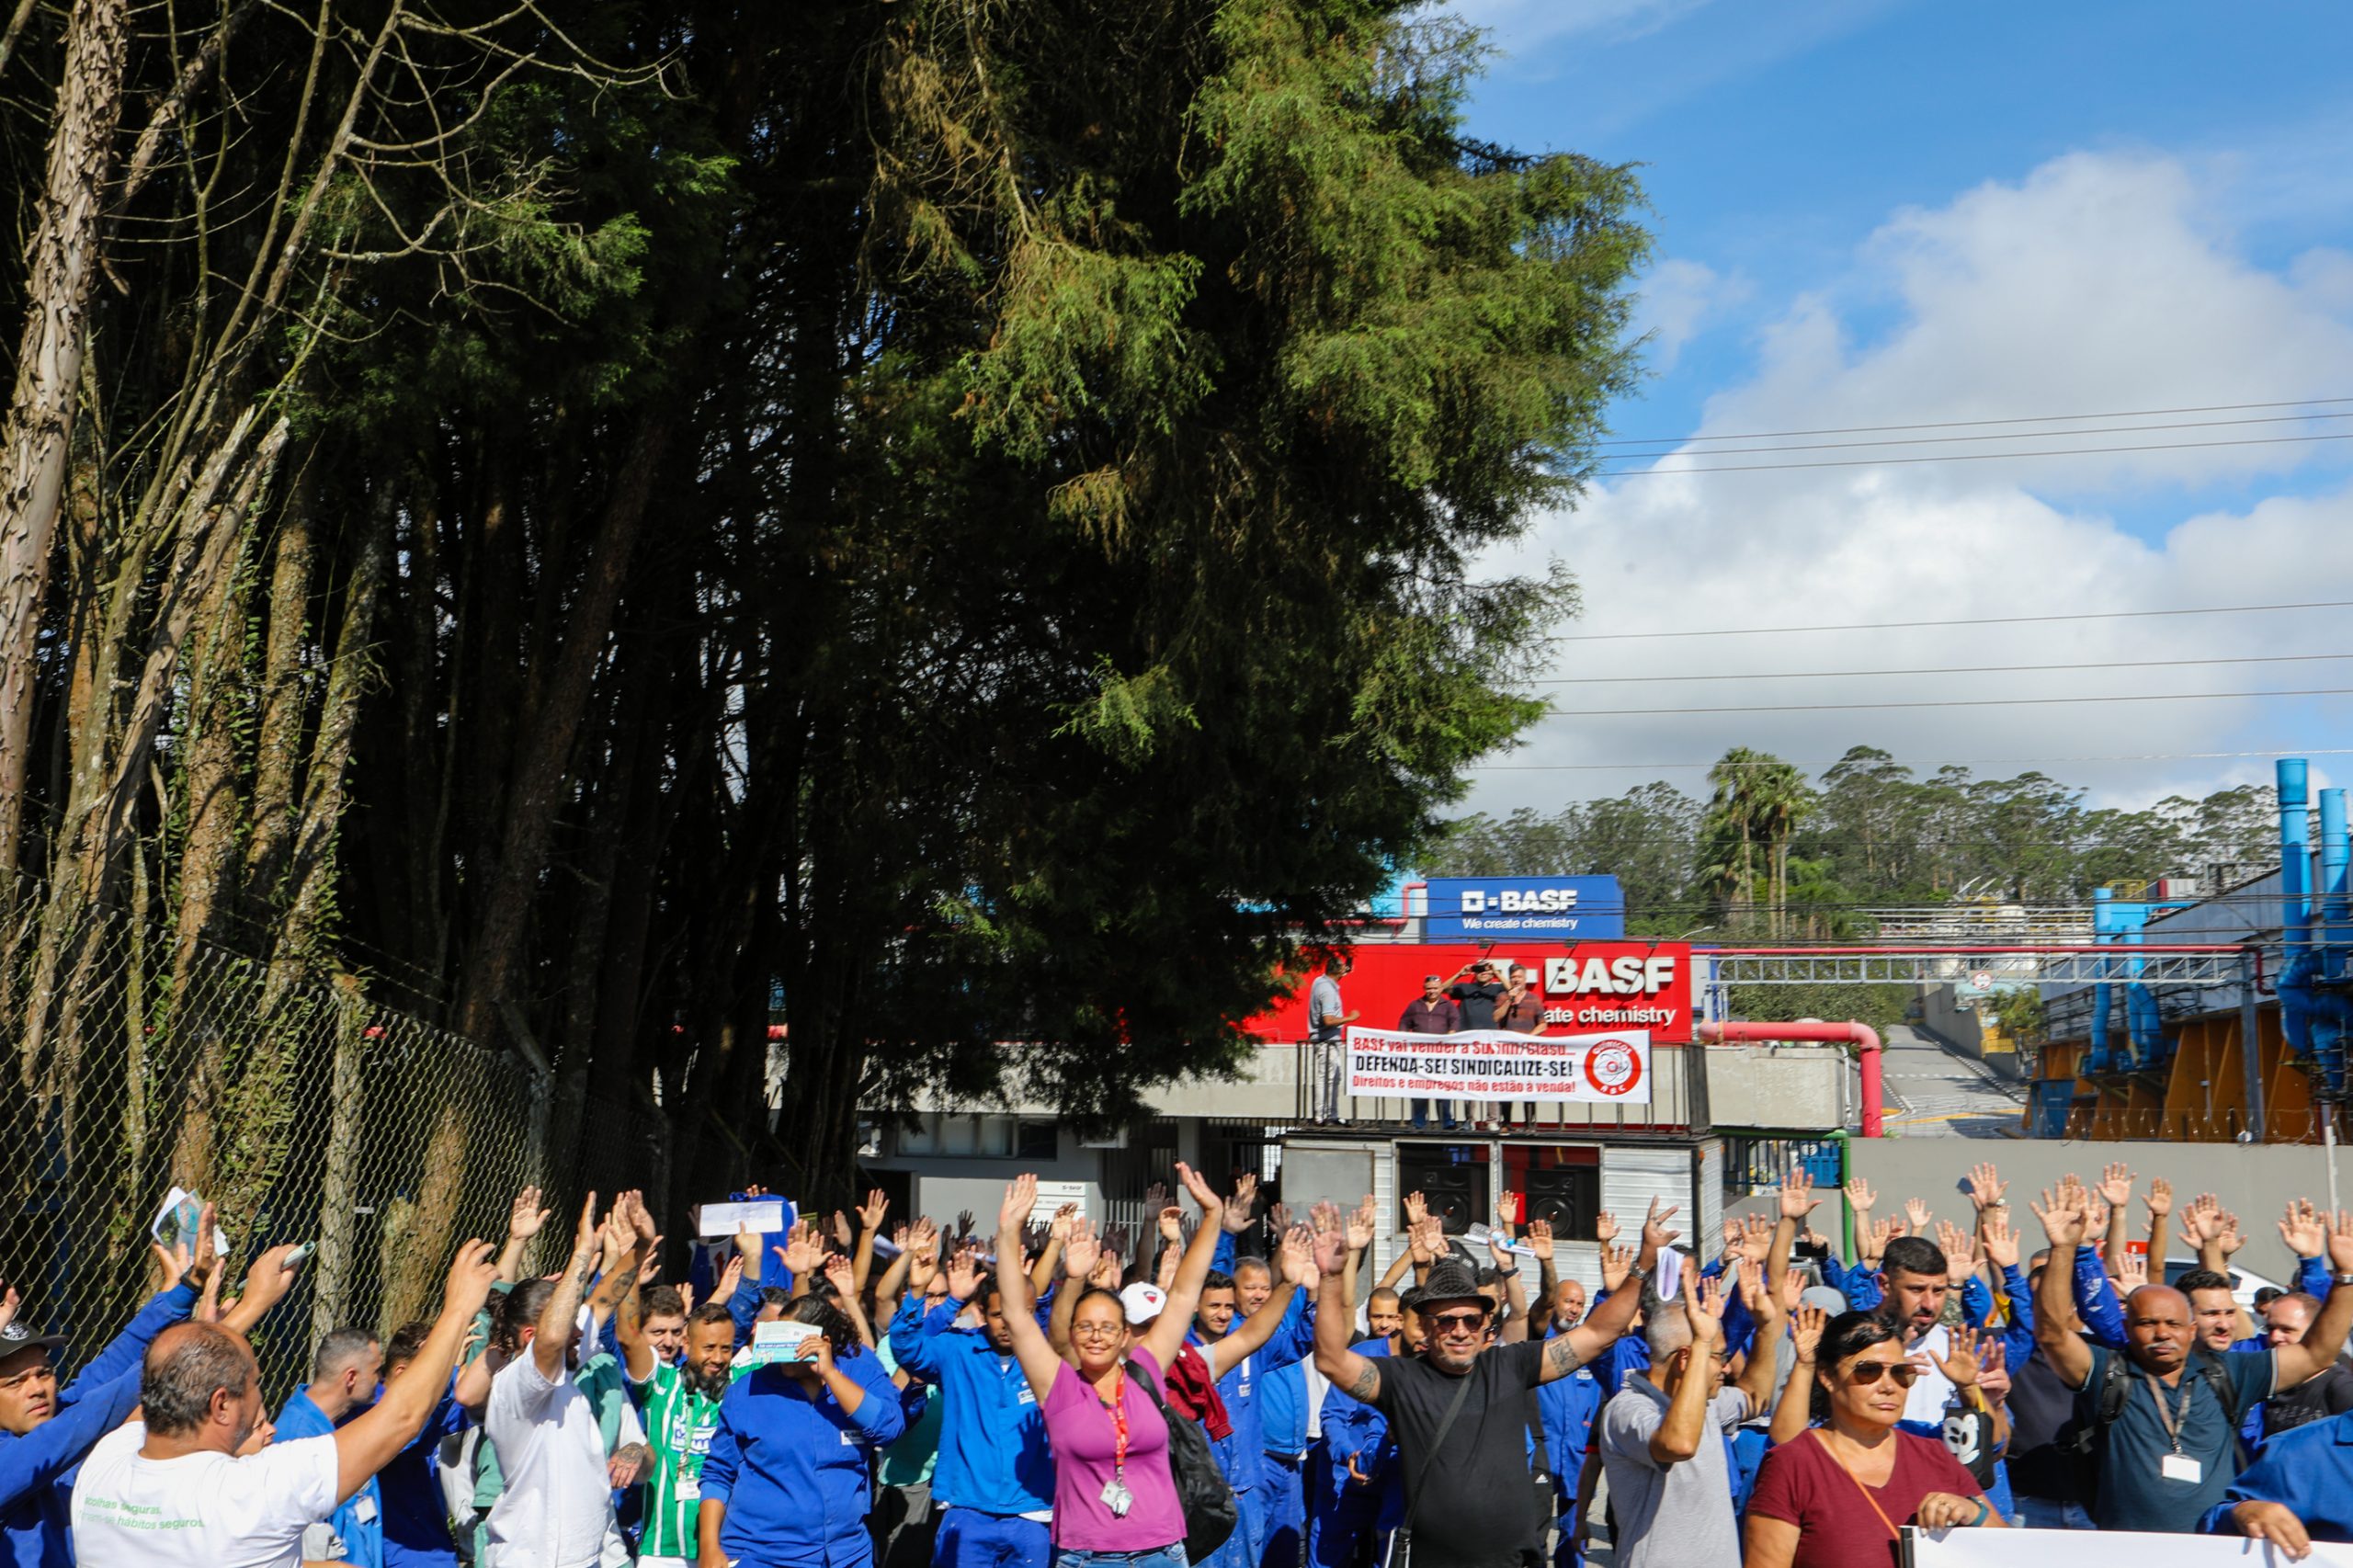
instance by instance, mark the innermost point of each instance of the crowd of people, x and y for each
(1233, 1389)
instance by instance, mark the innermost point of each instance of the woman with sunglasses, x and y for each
(1838, 1495)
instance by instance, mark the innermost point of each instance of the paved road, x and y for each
(1935, 1093)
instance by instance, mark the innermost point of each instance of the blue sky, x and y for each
(1872, 213)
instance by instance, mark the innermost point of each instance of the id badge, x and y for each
(1118, 1498)
(2181, 1466)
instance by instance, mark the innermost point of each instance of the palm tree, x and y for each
(1758, 798)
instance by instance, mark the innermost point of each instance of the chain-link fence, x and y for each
(304, 1110)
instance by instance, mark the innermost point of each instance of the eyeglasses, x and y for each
(1459, 1323)
(1863, 1374)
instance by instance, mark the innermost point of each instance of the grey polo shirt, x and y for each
(1668, 1516)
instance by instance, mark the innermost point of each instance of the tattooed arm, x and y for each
(1357, 1375)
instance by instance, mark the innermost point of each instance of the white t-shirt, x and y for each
(204, 1510)
(1933, 1391)
(558, 1498)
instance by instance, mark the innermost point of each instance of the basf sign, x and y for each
(1559, 909)
(1582, 987)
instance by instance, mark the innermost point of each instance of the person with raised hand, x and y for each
(46, 1430)
(172, 1491)
(2166, 1410)
(1474, 1464)
(1662, 1436)
(994, 1482)
(1837, 1495)
(1115, 1493)
(788, 1477)
(554, 1498)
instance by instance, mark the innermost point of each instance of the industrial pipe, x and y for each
(1864, 1038)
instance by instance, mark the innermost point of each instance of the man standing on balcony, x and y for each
(1327, 1052)
(1433, 1012)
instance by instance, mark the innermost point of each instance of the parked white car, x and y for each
(2244, 1285)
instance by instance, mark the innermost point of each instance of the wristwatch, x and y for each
(2345, 1278)
(1512, 1273)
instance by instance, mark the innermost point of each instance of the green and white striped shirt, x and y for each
(679, 1421)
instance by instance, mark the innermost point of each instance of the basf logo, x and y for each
(1558, 908)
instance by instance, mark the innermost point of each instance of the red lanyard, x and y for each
(1120, 1424)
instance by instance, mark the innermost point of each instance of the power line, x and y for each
(1937, 702)
(1956, 762)
(1968, 620)
(1682, 449)
(1973, 457)
(1967, 424)
(1953, 670)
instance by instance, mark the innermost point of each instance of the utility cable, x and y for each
(1967, 424)
(1683, 449)
(1973, 457)
(1966, 621)
(1953, 669)
(1937, 702)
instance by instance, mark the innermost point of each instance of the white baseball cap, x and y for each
(1142, 1303)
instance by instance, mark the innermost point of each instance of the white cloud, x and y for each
(2099, 282)
(1518, 25)
(1679, 299)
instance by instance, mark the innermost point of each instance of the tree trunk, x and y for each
(63, 266)
(278, 742)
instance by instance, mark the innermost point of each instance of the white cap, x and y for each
(1142, 1303)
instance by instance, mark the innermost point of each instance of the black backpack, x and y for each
(2117, 1387)
(1203, 1491)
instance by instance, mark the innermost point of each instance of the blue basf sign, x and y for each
(1565, 909)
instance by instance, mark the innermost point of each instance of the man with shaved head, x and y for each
(177, 1490)
(2162, 1414)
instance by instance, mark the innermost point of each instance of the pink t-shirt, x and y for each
(1085, 1438)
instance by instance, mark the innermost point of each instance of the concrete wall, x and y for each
(2254, 1181)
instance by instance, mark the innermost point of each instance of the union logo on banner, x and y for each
(1613, 1067)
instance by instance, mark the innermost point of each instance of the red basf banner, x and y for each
(1582, 987)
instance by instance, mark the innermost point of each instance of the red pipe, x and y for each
(1929, 950)
(1864, 1038)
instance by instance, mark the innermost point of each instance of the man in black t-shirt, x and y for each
(1484, 1511)
(2287, 1318)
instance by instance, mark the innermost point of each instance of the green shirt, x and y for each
(909, 1462)
(679, 1420)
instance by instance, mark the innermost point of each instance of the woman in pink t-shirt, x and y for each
(1115, 1497)
(1835, 1495)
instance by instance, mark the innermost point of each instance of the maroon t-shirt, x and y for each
(1802, 1483)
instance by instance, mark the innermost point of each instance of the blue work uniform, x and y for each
(994, 1479)
(359, 1522)
(793, 1467)
(2310, 1469)
(1241, 1453)
(37, 1469)
(416, 1519)
(1348, 1510)
(1568, 1406)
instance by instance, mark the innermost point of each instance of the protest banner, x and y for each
(1496, 1065)
(2103, 1548)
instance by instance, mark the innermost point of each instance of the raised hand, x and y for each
(1297, 1259)
(585, 1235)
(963, 1223)
(472, 1274)
(964, 1273)
(2303, 1229)
(2116, 1185)
(1756, 1238)
(1326, 1216)
(1415, 1206)
(2230, 1238)
(2158, 1200)
(640, 1220)
(1797, 1195)
(2340, 1241)
(1107, 1272)
(1985, 1184)
(1020, 1198)
(2095, 1217)
(1082, 1249)
(839, 1275)
(1657, 1231)
(922, 1237)
(1870, 1240)
(1860, 1196)
(843, 1236)
(873, 1211)
(2131, 1271)
(2062, 1222)
(1616, 1264)
(803, 1249)
(1963, 1365)
(1752, 1284)
(1158, 1196)
(1703, 1309)
(1605, 1227)
(1331, 1251)
(1959, 1253)
(730, 1278)
(1417, 1242)
(1172, 1225)
(1539, 1240)
(525, 1216)
(1211, 1206)
(1792, 1286)
(1360, 1226)
(1806, 1325)
(2001, 1242)
(1245, 1197)
(1279, 1216)
(1916, 1212)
